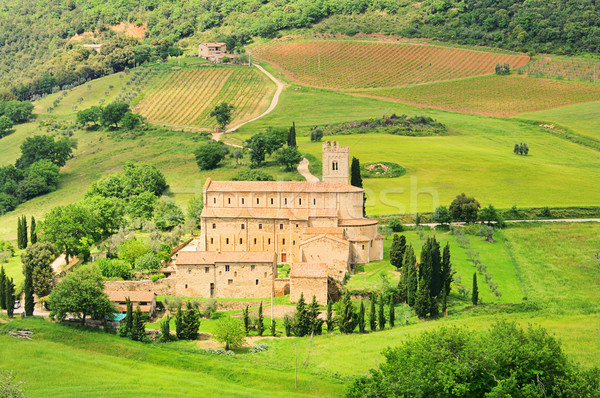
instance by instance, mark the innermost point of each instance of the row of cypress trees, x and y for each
(426, 284)
(22, 238)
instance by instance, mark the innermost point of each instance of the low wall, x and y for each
(162, 287)
(281, 287)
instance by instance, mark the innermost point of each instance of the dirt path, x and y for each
(274, 102)
(304, 170)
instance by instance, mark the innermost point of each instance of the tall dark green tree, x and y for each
(127, 325)
(356, 179)
(392, 315)
(138, 333)
(179, 324)
(260, 322)
(447, 277)
(9, 294)
(361, 317)
(313, 315)
(397, 251)
(475, 291)
(347, 319)
(423, 299)
(301, 323)
(2, 288)
(372, 315)
(330, 320)
(381, 312)
(410, 263)
(291, 138)
(28, 290)
(33, 233)
(435, 286)
(246, 317)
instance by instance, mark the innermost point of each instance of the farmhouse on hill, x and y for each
(213, 51)
(266, 223)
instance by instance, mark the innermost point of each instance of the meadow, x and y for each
(492, 95)
(344, 64)
(185, 98)
(555, 263)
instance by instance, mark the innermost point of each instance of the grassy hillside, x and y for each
(493, 95)
(186, 98)
(346, 64)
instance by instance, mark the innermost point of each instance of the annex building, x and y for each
(248, 227)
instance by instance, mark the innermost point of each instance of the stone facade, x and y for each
(213, 51)
(309, 279)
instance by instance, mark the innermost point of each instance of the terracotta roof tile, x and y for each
(134, 296)
(360, 238)
(308, 270)
(323, 230)
(267, 213)
(279, 186)
(205, 258)
(213, 44)
(324, 236)
(357, 222)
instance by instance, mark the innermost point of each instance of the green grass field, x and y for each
(492, 95)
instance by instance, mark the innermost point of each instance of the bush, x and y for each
(154, 278)
(230, 331)
(396, 225)
(148, 261)
(252, 175)
(209, 308)
(261, 347)
(316, 134)
(209, 156)
(132, 249)
(167, 215)
(114, 268)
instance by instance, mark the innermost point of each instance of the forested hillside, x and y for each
(40, 37)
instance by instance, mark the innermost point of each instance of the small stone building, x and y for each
(311, 280)
(145, 300)
(213, 51)
(225, 274)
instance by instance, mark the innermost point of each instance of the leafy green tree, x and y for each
(80, 293)
(291, 139)
(223, 114)
(132, 249)
(289, 157)
(45, 147)
(395, 225)
(41, 177)
(464, 208)
(381, 312)
(2, 288)
(91, 115)
(167, 215)
(208, 156)
(147, 261)
(330, 320)
(347, 318)
(109, 213)
(442, 216)
(361, 317)
(260, 326)
(142, 206)
(423, 299)
(6, 126)
(38, 258)
(475, 290)
(372, 315)
(9, 296)
(262, 145)
(130, 120)
(301, 325)
(113, 113)
(252, 175)
(230, 332)
(72, 229)
(316, 134)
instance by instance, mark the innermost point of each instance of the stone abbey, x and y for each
(316, 227)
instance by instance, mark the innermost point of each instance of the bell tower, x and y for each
(336, 163)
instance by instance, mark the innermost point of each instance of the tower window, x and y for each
(314, 201)
(214, 200)
(285, 201)
(259, 226)
(269, 241)
(257, 281)
(252, 267)
(257, 201)
(206, 269)
(214, 226)
(230, 281)
(235, 274)
(283, 241)
(271, 200)
(228, 201)
(227, 268)
(299, 201)
(265, 274)
(280, 226)
(242, 200)
(227, 241)
(254, 240)
(211, 241)
(241, 241)
(334, 165)
(243, 226)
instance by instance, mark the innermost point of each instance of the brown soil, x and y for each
(130, 29)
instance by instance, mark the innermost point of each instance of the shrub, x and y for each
(396, 225)
(252, 175)
(154, 278)
(230, 331)
(114, 268)
(132, 249)
(148, 261)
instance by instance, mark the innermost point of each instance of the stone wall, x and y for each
(310, 287)
(282, 286)
(162, 287)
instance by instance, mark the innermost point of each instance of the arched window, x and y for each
(334, 165)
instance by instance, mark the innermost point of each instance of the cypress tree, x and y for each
(444, 301)
(392, 315)
(191, 323)
(348, 319)
(291, 139)
(260, 325)
(165, 330)
(179, 324)
(33, 234)
(372, 316)
(9, 294)
(316, 324)
(447, 272)
(301, 324)
(20, 233)
(410, 262)
(24, 232)
(355, 177)
(361, 317)
(475, 293)
(396, 252)
(330, 321)
(425, 269)
(423, 299)
(381, 313)
(2, 288)
(127, 326)
(138, 332)
(436, 268)
(273, 327)
(28, 290)
(246, 315)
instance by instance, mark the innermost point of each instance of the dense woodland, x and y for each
(39, 55)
